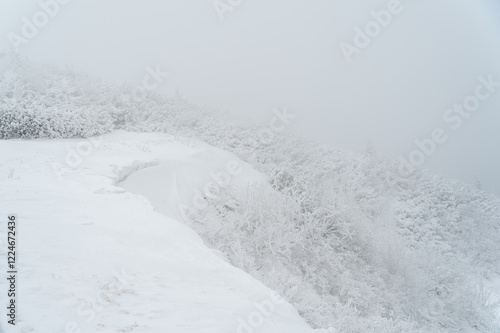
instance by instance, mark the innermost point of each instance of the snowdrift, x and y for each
(96, 258)
(346, 238)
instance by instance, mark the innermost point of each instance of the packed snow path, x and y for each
(93, 257)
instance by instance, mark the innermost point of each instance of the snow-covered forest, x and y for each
(354, 242)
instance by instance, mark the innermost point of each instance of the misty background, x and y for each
(269, 54)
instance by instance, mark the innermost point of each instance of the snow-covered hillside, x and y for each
(93, 257)
(201, 207)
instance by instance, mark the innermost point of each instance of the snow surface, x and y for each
(493, 289)
(94, 257)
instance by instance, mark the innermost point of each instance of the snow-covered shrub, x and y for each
(360, 241)
(342, 236)
(44, 102)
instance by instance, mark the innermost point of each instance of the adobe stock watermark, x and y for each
(49, 9)
(262, 311)
(221, 179)
(277, 124)
(454, 117)
(74, 157)
(151, 81)
(223, 6)
(94, 305)
(363, 37)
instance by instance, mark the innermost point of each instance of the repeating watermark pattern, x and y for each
(221, 7)
(262, 311)
(363, 37)
(49, 9)
(94, 305)
(454, 117)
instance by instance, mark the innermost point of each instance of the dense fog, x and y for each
(249, 57)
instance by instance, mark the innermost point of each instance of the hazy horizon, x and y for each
(272, 54)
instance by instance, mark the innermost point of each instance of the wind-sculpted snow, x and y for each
(175, 185)
(95, 258)
(363, 254)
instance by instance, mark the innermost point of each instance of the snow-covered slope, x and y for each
(93, 257)
(353, 241)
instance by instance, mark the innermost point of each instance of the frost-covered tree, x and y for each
(345, 238)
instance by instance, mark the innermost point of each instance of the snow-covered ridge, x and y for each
(346, 238)
(96, 258)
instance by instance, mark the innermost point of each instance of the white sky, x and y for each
(274, 53)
